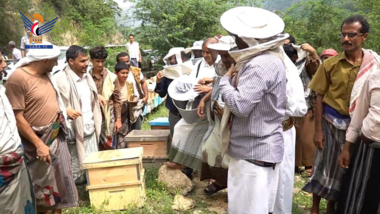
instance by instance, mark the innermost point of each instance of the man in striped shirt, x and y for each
(256, 97)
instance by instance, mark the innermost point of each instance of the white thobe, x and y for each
(295, 107)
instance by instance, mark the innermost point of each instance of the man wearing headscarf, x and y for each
(338, 83)
(256, 99)
(215, 164)
(173, 69)
(327, 54)
(79, 95)
(16, 193)
(40, 116)
(186, 148)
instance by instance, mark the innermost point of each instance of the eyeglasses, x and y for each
(349, 35)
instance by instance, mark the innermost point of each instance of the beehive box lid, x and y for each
(112, 158)
(161, 121)
(148, 135)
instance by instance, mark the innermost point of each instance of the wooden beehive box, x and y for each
(156, 143)
(159, 123)
(115, 178)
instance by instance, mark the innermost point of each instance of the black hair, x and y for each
(98, 52)
(290, 50)
(122, 54)
(120, 66)
(131, 35)
(292, 39)
(357, 18)
(74, 51)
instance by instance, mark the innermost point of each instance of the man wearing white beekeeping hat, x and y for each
(40, 117)
(254, 92)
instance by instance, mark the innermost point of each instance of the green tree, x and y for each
(11, 25)
(316, 22)
(166, 24)
(370, 10)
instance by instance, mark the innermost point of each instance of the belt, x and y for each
(287, 124)
(262, 163)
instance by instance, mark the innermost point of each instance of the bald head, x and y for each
(209, 55)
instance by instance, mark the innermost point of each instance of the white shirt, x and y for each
(295, 96)
(85, 99)
(133, 50)
(205, 70)
(132, 79)
(9, 137)
(16, 53)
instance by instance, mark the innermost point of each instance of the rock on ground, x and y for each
(175, 180)
(182, 203)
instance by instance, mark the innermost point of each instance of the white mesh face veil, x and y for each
(174, 52)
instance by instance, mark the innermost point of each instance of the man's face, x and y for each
(226, 58)
(351, 38)
(80, 64)
(172, 60)
(123, 75)
(209, 55)
(131, 39)
(49, 64)
(98, 64)
(124, 59)
(287, 41)
(197, 53)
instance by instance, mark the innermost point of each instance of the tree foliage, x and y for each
(318, 22)
(166, 24)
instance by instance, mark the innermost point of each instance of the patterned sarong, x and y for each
(186, 148)
(16, 193)
(126, 126)
(108, 141)
(326, 179)
(53, 185)
(360, 185)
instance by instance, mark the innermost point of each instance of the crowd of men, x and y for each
(244, 111)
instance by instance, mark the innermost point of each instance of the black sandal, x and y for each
(212, 188)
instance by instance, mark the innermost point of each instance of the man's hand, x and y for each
(231, 71)
(145, 99)
(344, 159)
(201, 108)
(43, 153)
(308, 48)
(206, 81)
(202, 88)
(159, 75)
(102, 100)
(117, 125)
(319, 140)
(73, 113)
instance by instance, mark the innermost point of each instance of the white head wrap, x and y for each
(34, 55)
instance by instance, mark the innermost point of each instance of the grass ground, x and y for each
(159, 201)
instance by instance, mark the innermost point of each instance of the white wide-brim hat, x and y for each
(252, 22)
(182, 88)
(225, 43)
(197, 45)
